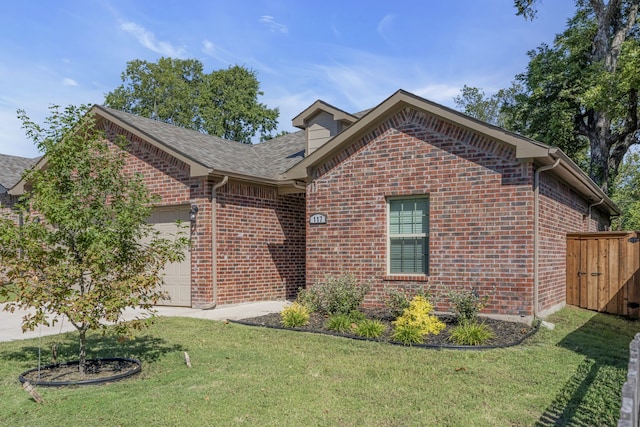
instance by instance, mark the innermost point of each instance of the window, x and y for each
(409, 236)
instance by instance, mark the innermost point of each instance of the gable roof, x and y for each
(11, 169)
(300, 121)
(208, 154)
(525, 148)
(280, 161)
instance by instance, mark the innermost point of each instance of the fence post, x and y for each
(630, 391)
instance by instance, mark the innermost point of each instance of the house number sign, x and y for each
(318, 219)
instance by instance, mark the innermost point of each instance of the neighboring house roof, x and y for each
(525, 148)
(11, 169)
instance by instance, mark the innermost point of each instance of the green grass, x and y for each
(242, 375)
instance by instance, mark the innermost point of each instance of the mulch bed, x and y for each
(506, 333)
(99, 371)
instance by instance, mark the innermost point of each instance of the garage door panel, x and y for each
(176, 276)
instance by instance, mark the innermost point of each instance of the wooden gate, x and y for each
(603, 272)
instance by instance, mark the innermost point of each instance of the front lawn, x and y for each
(256, 376)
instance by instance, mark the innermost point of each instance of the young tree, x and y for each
(222, 103)
(78, 252)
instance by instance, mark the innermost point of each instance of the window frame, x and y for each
(425, 234)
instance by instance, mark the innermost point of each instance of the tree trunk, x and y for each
(82, 356)
(599, 137)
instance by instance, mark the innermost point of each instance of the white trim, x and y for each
(425, 235)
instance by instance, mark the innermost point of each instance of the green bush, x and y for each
(471, 333)
(397, 300)
(309, 298)
(466, 304)
(295, 315)
(419, 315)
(408, 334)
(337, 295)
(369, 328)
(357, 316)
(339, 323)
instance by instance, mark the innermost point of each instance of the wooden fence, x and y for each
(603, 272)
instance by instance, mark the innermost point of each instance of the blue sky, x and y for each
(351, 54)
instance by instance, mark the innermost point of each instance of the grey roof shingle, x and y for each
(265, 160)
(11, 169)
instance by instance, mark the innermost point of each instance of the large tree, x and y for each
(626, 193)
(223, 103)
(581, 94)
(83, 249)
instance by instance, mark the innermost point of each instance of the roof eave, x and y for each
(572, 174)
(299, 121)
(525, 148)
(196, 169)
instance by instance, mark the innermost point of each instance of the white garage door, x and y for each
(177, 275)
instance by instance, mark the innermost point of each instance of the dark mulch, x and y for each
(506, 333)
(99, 371)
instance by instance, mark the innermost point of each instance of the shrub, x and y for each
(471, 333)
(369, 328)
(397, 300)
(337, 295)
(417, 316)
(408, 334)
(357, 316)
(295, 315)
(339, 323)
(309, 298)
(466, 304)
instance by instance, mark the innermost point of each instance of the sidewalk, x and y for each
(11, 323)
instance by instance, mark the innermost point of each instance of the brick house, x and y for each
(11, 168)
(407, 194)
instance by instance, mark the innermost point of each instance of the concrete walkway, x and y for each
(11, 323)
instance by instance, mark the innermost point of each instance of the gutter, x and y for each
(593, 205)
(536, 239)
(214, 242)
(299, 186)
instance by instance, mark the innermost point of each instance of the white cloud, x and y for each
(69, 82)
(290, 104)
(222, 55)
(274, 27)
(440, 93)
(217, 53)
(384, 28)
(148, 39)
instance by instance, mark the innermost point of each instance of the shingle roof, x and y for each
(265, 160)
(11, 168)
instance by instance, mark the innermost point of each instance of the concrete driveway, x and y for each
(11, 323)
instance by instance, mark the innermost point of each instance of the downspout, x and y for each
(214, 242)
(589, 211)
(536, 239)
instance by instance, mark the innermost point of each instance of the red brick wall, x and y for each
(561, 211)
(260, 235)
(261, 243)
(170, 179)
(481, 228)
